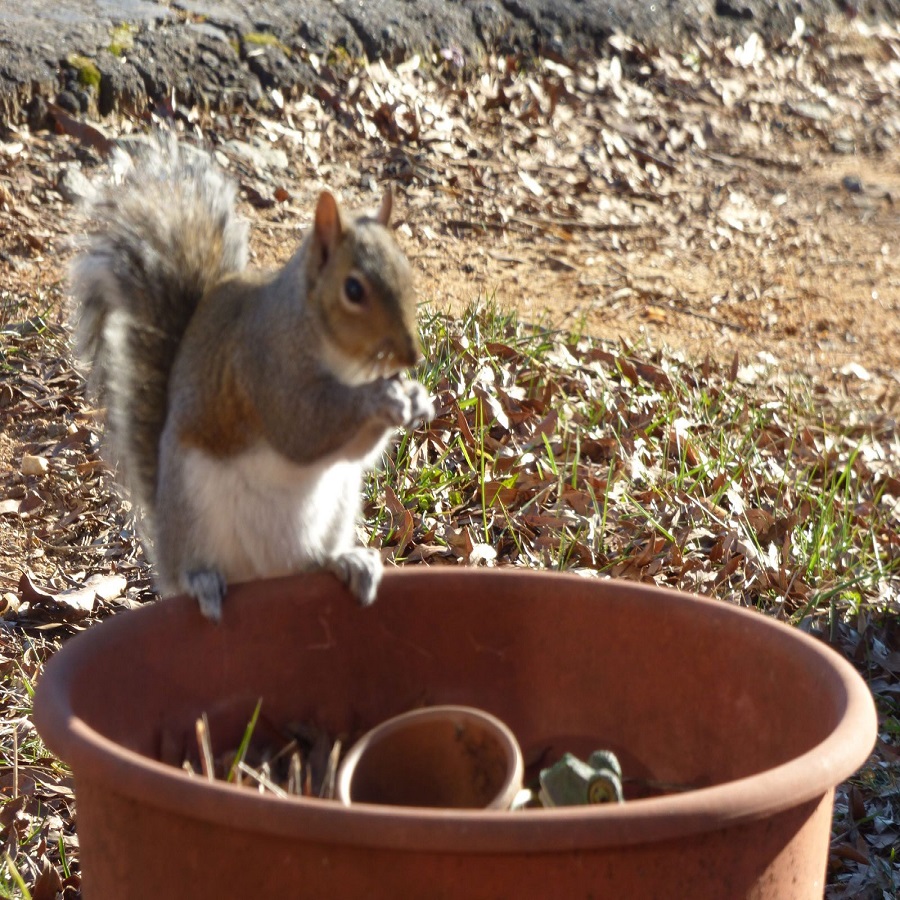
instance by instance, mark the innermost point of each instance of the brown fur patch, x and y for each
(221, 418)
(228, 425)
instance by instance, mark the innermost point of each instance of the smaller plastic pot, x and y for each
(451, 757)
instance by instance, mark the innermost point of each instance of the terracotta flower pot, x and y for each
(452, 757)
(758, 720)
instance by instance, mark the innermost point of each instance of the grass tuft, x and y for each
(564, 453)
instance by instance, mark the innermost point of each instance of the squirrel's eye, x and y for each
(354, 291)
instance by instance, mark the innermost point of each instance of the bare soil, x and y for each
(819, 311)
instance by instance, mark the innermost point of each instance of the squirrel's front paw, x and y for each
(208, 587)
(421, 403)
(407, 402)
(360, 569)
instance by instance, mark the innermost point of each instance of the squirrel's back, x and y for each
(161, 239)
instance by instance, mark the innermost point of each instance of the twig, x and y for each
(328, 782)
(206, 756)
(15, 791)
(706, 318)
(295, 775)
(261, 780)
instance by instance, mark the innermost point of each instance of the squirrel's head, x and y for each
(360, 285)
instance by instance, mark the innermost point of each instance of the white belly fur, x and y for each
(259, 515)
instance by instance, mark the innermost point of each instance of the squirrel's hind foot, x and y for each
(208, 586)
(360, 569)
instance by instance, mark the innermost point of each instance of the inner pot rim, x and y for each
(804, 779)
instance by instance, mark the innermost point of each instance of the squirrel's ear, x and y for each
(384, 211)
(328, 225)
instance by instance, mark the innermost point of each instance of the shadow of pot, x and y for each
(755, 722)
(449, 757)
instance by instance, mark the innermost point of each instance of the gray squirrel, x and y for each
(243, 408)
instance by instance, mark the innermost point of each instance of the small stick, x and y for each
(328, 782)
(261, 780)
(295, 775)
(15, 791)
(287, 748)
(206, 756)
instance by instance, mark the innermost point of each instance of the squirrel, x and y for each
(243, 407)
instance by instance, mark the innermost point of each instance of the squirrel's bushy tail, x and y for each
(162, 237)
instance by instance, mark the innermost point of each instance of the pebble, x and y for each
(69, 102)
(73, 186)
(34, 465)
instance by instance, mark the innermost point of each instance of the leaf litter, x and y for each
(680, 398)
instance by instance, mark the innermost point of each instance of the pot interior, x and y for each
(687, 693)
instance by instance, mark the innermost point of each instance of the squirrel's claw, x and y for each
(208, 586)
(360, 569)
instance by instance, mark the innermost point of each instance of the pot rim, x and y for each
(807, 778)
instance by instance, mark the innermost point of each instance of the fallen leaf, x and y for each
(402, 522)
(48, 884)
(87, 134)
(482, 553)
